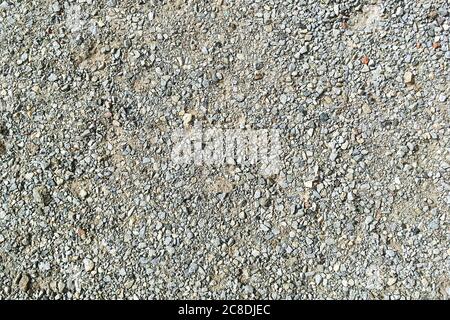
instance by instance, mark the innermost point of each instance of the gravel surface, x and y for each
(93, 207)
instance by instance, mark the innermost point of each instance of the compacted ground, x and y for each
(93, 207)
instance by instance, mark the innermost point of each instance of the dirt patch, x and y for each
(368, 19)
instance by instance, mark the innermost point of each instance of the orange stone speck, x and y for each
(436, 45)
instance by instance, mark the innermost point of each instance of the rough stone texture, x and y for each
(91, 205)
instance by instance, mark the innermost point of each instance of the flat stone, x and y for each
(408, 78)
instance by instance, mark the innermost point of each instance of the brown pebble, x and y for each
(433, 14)
(436, 45)
(24, 283)
(81, 233)
(258, 75)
